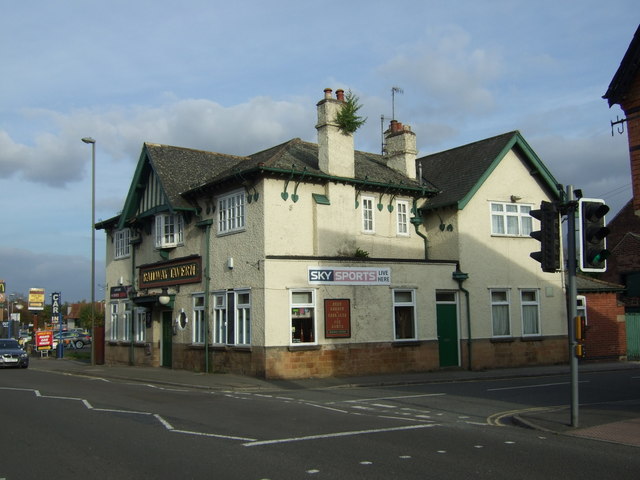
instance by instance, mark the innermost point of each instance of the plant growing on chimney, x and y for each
(347, 118)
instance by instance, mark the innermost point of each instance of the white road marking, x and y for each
(399, 397)
(334, 435)
(533, 386)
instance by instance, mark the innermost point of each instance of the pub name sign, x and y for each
(175, 272)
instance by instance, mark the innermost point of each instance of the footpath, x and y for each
(611, 422)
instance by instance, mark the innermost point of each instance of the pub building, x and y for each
(315, 259)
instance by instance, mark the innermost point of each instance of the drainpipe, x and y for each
(206, 225)
(417, 221)
(459, 276)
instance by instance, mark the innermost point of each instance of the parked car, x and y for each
(12, 355)
(72, 339)
(24, 338)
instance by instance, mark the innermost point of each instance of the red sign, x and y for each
(337, 318)
(44, 340)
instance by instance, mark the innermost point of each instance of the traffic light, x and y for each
(548, 236)
(593, 251)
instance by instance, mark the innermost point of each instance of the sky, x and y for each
(239, 77)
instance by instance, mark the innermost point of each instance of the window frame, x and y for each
(121, 243)
(140, 325)
(368, 215)
(506, 303)
(113, 321)
(297, 320)
(521, 216)
(126, 324)
(232, 212)
(396, 304)
(198, 330)
(220, 319)
(232, 319)
(402, 218)
(242, 318)
(175, 237)
(529, 303)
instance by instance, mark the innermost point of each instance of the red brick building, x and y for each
(606, 334)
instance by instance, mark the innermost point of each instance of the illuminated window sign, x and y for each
(349, 276)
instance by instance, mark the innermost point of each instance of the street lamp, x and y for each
(93, 245)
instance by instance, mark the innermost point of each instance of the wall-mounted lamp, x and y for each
(515, 198)
(164, 297)
(230, 263)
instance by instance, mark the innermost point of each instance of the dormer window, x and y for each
(169, 230)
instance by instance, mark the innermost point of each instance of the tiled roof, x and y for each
(298, 156)
(627, 71)
(181, 169)
(457, 171)
(588, 284)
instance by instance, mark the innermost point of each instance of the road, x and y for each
(62, 425)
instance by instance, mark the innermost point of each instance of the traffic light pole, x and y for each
(572, 293)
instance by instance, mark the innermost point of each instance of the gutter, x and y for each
(324, 177)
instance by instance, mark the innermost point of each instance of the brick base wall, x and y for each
(346, 360)
(120, 354)
(487, 353)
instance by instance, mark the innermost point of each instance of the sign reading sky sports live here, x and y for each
(349, 276)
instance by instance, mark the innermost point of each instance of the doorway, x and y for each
(167, 339)
(447, 323)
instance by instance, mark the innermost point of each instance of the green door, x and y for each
(447, 318)
(167, 339)
(633, 336)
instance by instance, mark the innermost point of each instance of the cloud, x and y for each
(59, 159)
(24, 269)
(448, 70)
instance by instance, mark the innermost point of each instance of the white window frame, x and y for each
(500, 303)
(531, 306)
(232, 212)
(169, 230)
(113, 322)
(140, 325)
(220, 318)
(510, 219)
(301, 310)
(231, 317)
(402, 304)
(368, 215)
(121, 243)
(243, 318)
(402, 218)
(126, 325)
(198, 330)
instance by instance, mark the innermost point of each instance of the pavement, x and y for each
(610, 422)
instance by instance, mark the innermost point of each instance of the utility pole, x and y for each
(572, 301)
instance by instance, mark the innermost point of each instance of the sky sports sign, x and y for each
(349, 276)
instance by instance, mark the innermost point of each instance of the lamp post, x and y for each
(91, 141)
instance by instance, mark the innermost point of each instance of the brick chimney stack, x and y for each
(335, 148)
(401, 151)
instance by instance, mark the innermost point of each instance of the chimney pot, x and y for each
(327, 93)
(340, 95)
